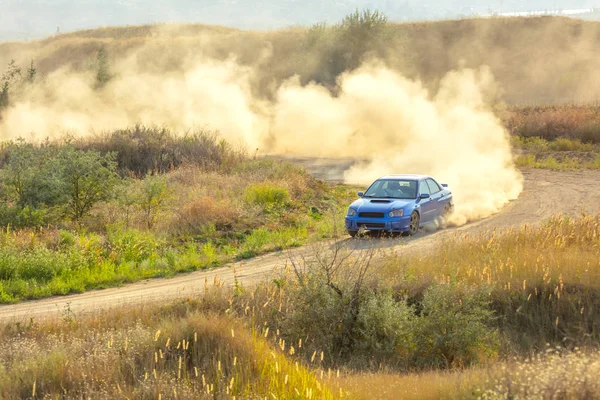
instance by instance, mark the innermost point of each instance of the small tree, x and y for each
(27, 178)
(153, 198)
(31, 73)
(102, 68)
(12, 75)
(88, 178)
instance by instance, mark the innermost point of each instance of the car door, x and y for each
(427, 206)
(437, 198)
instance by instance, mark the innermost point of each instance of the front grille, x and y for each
(371, 215)
(369, 225)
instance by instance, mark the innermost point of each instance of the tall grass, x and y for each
(555, 123)
(543, 280)
(173, 353)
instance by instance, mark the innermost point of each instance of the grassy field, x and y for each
(221, 207)
(497, 315)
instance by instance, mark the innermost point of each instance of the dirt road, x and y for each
(546, 193)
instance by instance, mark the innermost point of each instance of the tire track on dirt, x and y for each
(546, 193)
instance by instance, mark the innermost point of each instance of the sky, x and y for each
(33, 19)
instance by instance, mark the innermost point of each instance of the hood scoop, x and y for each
(381, 201)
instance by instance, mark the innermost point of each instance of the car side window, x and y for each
(424, 188)
(433, 186)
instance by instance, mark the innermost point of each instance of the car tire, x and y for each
(447, 211)
(415, 220)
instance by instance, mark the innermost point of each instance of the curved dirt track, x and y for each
(546, 193)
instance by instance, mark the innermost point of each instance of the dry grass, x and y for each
(543, 281)
(553, 122)
(551, 374)
(422, 386)
(516, 49)
(177, 352)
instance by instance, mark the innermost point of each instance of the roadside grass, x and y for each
(433, 385)
(557, 124)
(550, 162)
(499, 314)
(220, 207)
(550, 374)
(172, 352)
(543, 281)
(561, 154)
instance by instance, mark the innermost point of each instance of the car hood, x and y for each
(380, 205)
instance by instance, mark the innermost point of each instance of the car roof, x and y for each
(415, 177)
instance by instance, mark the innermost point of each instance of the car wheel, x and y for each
(447, 211)
(415, 220)
(352, 233)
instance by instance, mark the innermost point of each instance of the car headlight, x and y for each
(396, 213)
(351, 212)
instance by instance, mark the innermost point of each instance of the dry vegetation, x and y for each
(500, 315)
(516, 49)
(160, 206)
(450, 321)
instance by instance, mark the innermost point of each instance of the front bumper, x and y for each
(401, 224)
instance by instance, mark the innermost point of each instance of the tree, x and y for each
(27, 177)
(87, 178)
(103, 74)
(12, 75)
(31, 73)
(153, 198)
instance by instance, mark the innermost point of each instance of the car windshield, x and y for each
(393, 189)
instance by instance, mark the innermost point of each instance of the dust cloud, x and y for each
(374, 114)
(398, 127)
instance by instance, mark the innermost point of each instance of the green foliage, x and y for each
(31, 73)
(267, 195)
(141, 150)
(385, 325)
(40, 182)
(11, 77)
(131, 245)
(103, 74)
(455, 327)
(153, 198)
(346, 45)
(87, 178)
(30, 178)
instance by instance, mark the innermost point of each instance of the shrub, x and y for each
(141, 150)
(87, 178)
(255, 242)
(455, 326)
(130, 245)
(206, 210)
(267, 195)
(385, 325)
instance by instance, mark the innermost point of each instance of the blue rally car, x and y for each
(399, 203)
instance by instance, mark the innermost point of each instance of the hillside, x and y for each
(534, 60)
(29, 19)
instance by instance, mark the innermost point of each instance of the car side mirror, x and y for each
(360, 194)
(424, 195)
(444, 185)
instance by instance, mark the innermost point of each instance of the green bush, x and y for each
(131, 245)
(385, 325)
(141, 150)
(564, 144)
(455, 326)
(254, 243)
(267, 195)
